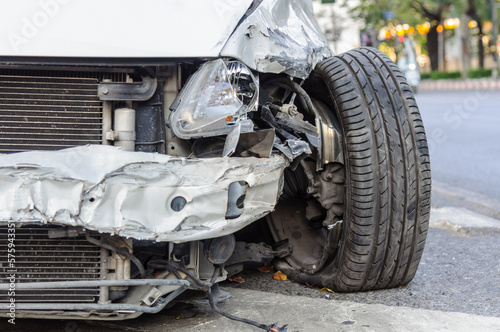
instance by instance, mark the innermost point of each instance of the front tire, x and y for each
(387, 176)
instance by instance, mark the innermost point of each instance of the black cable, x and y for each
(207, 288)
(174, 268)
(272, 327)
(124, 252)
(217, 270)
(177, 275)
(302, 94)
(307, 103)
(194, 278)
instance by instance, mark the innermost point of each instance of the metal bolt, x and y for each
(105, 90)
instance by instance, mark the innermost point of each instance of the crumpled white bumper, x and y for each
(130, 194)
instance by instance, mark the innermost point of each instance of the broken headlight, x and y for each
(215, 100)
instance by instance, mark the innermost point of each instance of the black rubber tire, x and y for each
(388, 182)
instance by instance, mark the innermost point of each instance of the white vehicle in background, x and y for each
(408, 64)
(143, 156)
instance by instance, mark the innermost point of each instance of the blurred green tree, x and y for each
(434, 12)
(479, 11)
(380, 13)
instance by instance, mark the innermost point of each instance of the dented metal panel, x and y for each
(280, 36)
(130, 194)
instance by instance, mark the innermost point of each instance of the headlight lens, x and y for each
(216, 98)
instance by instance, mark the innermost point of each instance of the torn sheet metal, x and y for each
(292, 148)
(131, 194)
(280, 36)
(258, 143)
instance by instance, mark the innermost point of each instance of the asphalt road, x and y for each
(463, 133)
(460, 268)
(463, 130)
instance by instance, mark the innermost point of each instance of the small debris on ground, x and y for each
(279, 276)
(324, 289)
(237, 278)
(266, 269)
(311, 286)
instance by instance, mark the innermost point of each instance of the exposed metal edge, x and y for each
(97, 283)
(106, 62)
(99, 196)
(97, 306)
(253, 7)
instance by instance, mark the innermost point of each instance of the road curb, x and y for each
(464, 198)
(442, 85)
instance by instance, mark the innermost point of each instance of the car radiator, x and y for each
(50, 109)
(39, 258)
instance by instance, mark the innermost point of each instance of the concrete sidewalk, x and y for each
(306, 314)
(459, 84)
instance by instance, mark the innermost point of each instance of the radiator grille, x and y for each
(50, 110)
(38, 259)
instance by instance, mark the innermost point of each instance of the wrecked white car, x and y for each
(148, 150)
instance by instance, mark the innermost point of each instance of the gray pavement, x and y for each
(449, 195)
(459, 272)
(305, 314)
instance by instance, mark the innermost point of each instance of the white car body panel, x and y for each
(270, 36)
(118, 28)
(105, 189)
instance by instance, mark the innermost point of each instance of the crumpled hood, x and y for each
(118, 28)
(279, 36)
(132, 194)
